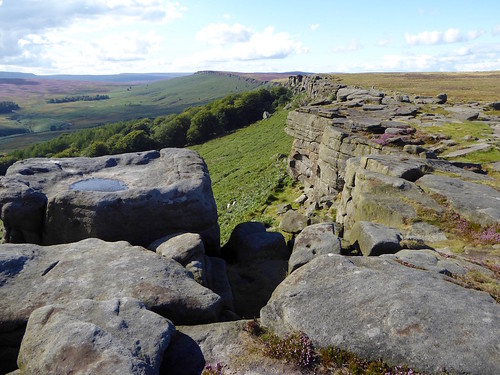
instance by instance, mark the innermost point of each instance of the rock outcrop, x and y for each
(136, 197)
(378, 308)
(33, 276)
(118, 336)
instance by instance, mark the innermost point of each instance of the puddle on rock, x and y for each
(98, 184)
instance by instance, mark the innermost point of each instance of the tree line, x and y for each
(8, 107)
(192, 126)
(79, 98)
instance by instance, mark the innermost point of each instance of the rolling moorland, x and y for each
(248, 170)
(38, 120)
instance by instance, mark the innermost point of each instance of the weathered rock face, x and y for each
(378, 308)
(118, 336)
(390, 189)
(375, 239)
(32, 276)
(136, 197)
(323, 142)
(314, 240)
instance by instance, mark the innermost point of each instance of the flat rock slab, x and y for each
(136, 197)
(475, 202)
(379, 308)
(468, 150)
(118, 336)
(33, 276)
(193, 348)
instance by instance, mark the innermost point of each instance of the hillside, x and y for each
(246, 168)
(37, 120)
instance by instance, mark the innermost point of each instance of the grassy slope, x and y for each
(460, 87)
(125, 103)
(245, 168)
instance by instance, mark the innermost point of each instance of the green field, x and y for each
(247, 167)
(36, 117)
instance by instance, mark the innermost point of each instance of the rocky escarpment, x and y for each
(136, 197)
(382, 281)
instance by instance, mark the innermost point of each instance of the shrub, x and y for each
(217, 370)
(295, 348)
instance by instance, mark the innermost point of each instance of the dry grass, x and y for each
(460, 87)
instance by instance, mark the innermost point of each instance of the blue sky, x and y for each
(116, 36)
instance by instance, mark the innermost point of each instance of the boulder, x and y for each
(293, 222)
(475, 202)
(495, 106)
(194, 348)
(374, 239)
(463, 113)
(314, 240)
(32, 276)
(257, 263)
(378, 308)
(136, 197)
(441, 98)
(187, 249)
(250, 241)
(89, 337)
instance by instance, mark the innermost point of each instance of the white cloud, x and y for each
(496, 30)
(47, 34)
(471, 35)
(353, 46)
(221, 34)
(315, 26)
(452, 36)
(438, 37)
(264, 45)
(464, 51)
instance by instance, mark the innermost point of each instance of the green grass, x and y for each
(126, 102)
(247, 167)
(457, 132)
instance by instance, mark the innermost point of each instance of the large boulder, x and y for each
(377, 307)
(118, 336)
(314, 240)
(137, 197)
(32, 276)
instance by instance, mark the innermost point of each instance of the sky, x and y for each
(320, 36)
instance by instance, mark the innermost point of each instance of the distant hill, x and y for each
(39, 120)
(116, 78)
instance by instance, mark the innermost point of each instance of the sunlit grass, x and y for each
(246, 167)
